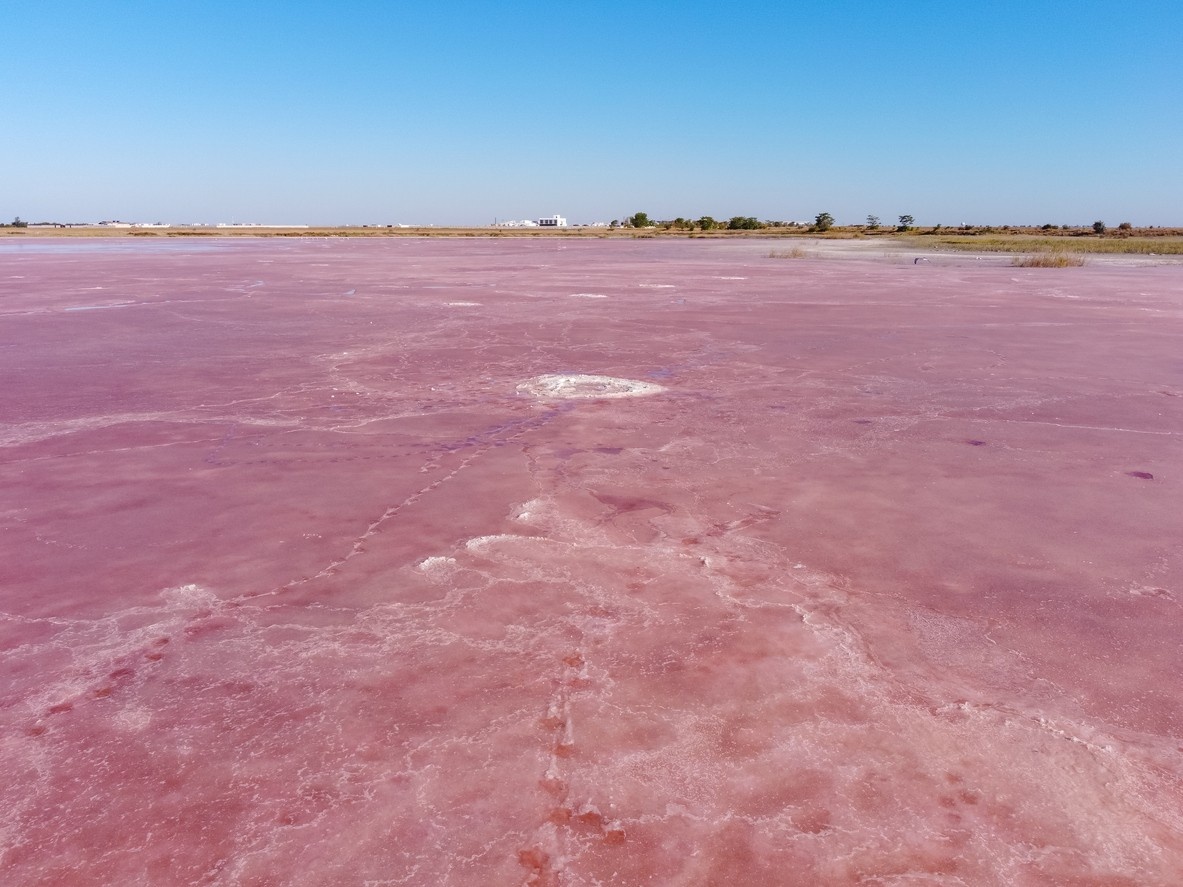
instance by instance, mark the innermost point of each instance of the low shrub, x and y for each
(1049, 260)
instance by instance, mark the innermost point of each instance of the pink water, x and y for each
(305, 582)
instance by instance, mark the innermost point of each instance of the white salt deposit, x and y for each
(436, 563)
(189, 595)
(582, 386)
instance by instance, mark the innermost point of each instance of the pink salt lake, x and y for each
(477, 562)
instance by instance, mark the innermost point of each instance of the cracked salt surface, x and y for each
(871, 601)
(581, 386)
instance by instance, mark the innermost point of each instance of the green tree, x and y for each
(744, 223)
(823, 221)
(1125, 226)
(905, 223)
(706, 223)
(872, 222)
(640, 220)
(1099, 227)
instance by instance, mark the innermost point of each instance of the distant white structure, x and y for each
(254, 225)
(548, 222)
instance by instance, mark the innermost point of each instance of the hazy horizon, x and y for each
(462, 113)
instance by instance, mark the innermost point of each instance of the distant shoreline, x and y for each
(1145, 243)
(425, 231)
(1075, 237)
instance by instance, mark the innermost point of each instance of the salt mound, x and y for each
(588, 387)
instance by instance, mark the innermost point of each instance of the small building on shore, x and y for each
(552, 222)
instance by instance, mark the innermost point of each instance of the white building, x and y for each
(552, 222)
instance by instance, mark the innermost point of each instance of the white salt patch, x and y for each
(588, 296)
(436, 563)
(463, 304)
(189, 596)
(479, 543)
(482, 544)
(97, 307)
(1151, 591)
(134, 718)
(529, 510)
(733, 278)
(582, 386)
(657, 286)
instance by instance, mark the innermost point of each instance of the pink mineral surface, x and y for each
(567, 562)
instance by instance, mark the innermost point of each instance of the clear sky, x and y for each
(448, 112)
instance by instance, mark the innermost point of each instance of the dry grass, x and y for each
(1147, 246)
(794, 253)
(1049, 260)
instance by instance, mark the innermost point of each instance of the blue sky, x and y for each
(1060, 111)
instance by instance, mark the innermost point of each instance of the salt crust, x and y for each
(581, 386)
(189, 595)
(436, 562)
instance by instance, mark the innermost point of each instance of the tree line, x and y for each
(703, 223)
(821, 222)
